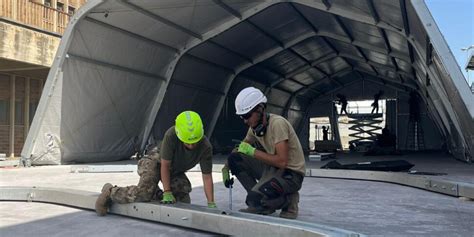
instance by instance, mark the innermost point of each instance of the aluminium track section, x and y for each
(184, 215)
(452, 188)
(438, 185)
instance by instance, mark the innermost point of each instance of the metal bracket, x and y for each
(442, 187)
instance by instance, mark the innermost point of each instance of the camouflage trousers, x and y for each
(147, 188)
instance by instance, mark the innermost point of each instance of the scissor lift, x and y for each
(365, 126)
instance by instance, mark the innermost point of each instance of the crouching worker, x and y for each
(184, 145)
(272, 175)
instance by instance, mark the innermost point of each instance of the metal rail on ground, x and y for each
(452, 188)
(184, 215)
(448, 187)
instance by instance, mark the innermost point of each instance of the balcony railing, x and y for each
(34, 14)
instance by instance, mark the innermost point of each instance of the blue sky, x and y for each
(455, 19)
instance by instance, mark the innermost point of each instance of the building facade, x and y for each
(30, 32)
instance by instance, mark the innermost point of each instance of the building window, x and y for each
(4, 112)
(60, 6)
(71, 10)
(33, 107)
(47, 3)
(19, 113)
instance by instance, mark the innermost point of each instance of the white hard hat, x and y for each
(247, 99)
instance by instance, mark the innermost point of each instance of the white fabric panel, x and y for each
(103, 111)
(242, 82)
(180, 98)
(300, 103)
(391, 12)
(274, 110)
(99, 43)
(286, 26)
(247, 40)
(201, 74)
(397, 44)
(284, 62)
(290, 85)
(241, 5)
(334, 65)
(323, 21)
(313, 48)
(138, 23)
(46, 149)
(213, 53)
(198, 16)
(294, 117)
(364, 32)
(278, 97)
(195, 85)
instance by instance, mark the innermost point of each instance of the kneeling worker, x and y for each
(184, 145)
(279, 167)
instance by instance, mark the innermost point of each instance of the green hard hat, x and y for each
(188, 127)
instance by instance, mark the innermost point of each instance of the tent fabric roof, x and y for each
(126, 68)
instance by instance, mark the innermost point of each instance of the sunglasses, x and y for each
(247, 115)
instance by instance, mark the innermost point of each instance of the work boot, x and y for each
(103, 201)
(290, 211)
(260, 210)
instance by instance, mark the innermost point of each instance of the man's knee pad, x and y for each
(233, 161)
(272, 189)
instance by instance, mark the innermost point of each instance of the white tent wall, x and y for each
(110, 85)
(296, 110)
(110, 79)
(42, 145)
(47, 142)
(196, 85)
(433, 140)
(277, 101)
(444, 80)
(143, 62)
(112, 109)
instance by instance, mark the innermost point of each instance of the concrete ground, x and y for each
(371, 208)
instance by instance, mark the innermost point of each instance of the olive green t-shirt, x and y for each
(278, 130)
(181, 158)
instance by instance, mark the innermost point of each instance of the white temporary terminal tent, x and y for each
(126, 68)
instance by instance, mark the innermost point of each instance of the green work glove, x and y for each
(228, 182)
(211, 205)
(246, 149)
(168, 198)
